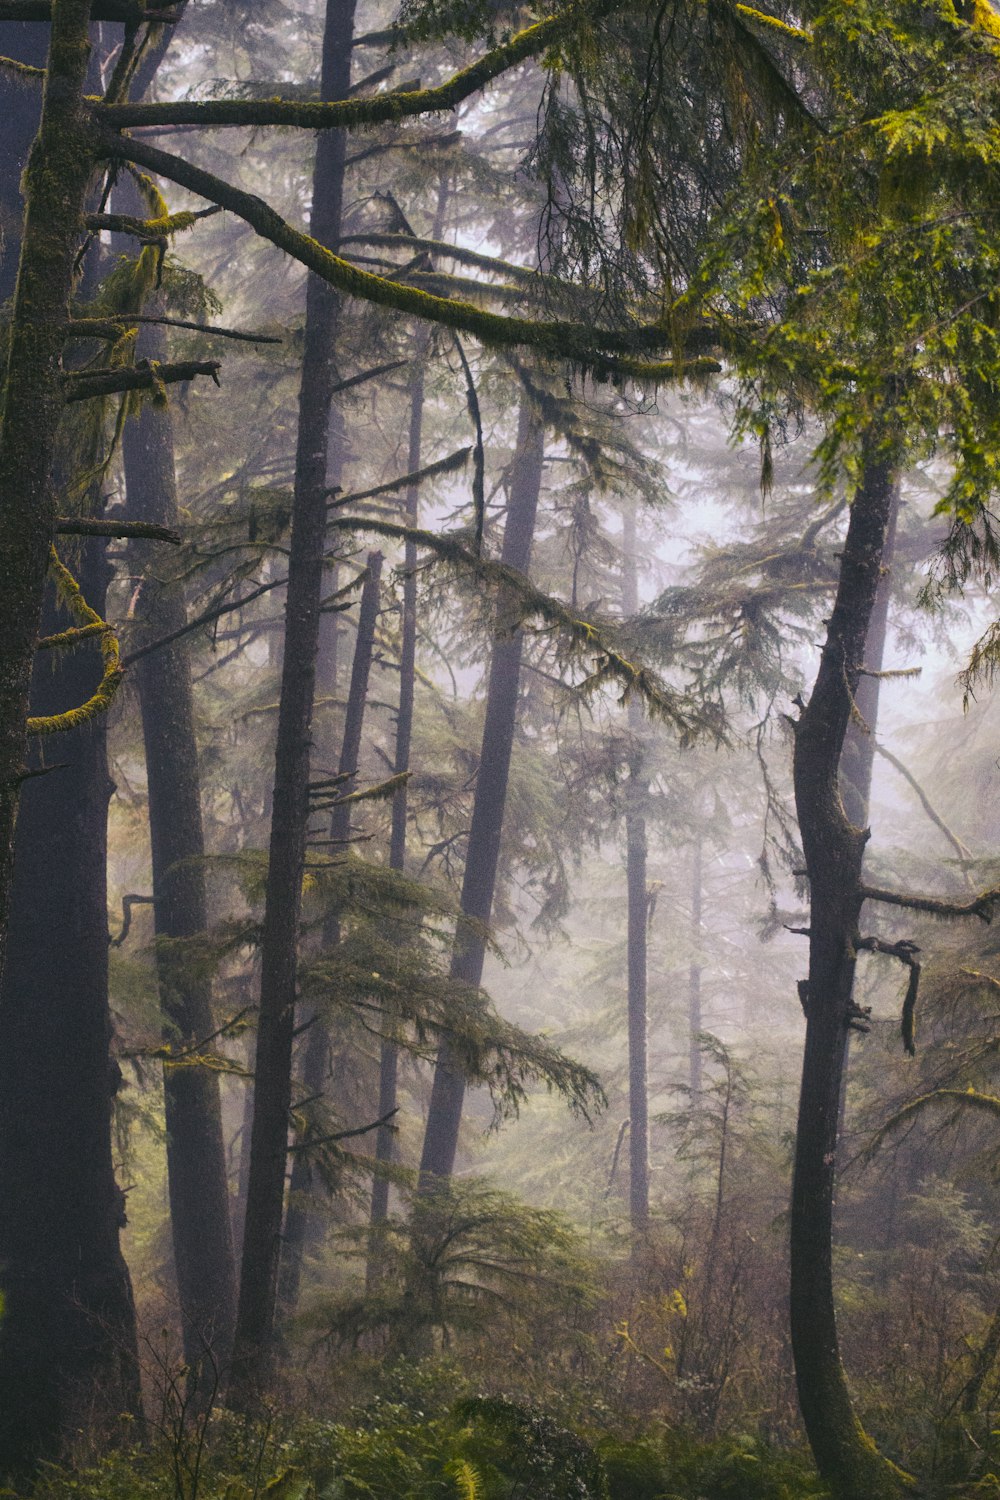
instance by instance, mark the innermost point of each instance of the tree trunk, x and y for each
(196, 1155)
(694, 974)
(67, 1335)
(638, 921)
(316, 1064)
(56, 181)
(445, 1114)
(283, 900)
(858, 759)
(388, 1058)
(834, 850)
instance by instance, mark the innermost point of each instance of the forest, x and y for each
(499, 822)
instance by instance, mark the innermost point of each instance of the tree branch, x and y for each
(963, 851)
(147, 375)
(345, 114)
(87, 526)
(101, 10)
(114, 327)
(605, 353)
(448, 465)
(980, 906)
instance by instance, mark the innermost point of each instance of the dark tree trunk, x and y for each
(20, 106)
(301, 1216)
(834, 850)
(445, 1114)
(196, 1155)
(388, 1058)
(858, 759)
(56, 181)
(638, 913)
(279, 952)
(694, 974)
(67, 1335)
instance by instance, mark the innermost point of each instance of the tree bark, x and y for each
(196, 1155)
(56, 181)
(636, 792)
(272, 1087)
(448, 1092)
(316, 1063)
(67, 1335)
(834, 849)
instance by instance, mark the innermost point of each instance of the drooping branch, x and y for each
(961, 849)
(605, 353)
(146, 375)
(688, 718)
(348, 113)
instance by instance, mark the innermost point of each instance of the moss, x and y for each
(762, 19)
(89, 623)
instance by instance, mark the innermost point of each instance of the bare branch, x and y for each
(113, 328)
(86, 526)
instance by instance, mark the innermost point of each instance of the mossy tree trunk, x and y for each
(834, 850)
(56, 180)
(196, 1154)
(444, 1116)
(279, 952)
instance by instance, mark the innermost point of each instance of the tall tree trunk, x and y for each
(834, 849)
(67, 1334)
(694, 973)
(448, 1092)
(196, 1154)
(858, 759)
(316, 1063)
(388, 1058)
(638, 921)
(56, 182)
(283, 900)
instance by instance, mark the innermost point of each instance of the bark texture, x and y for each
(448, 1092)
